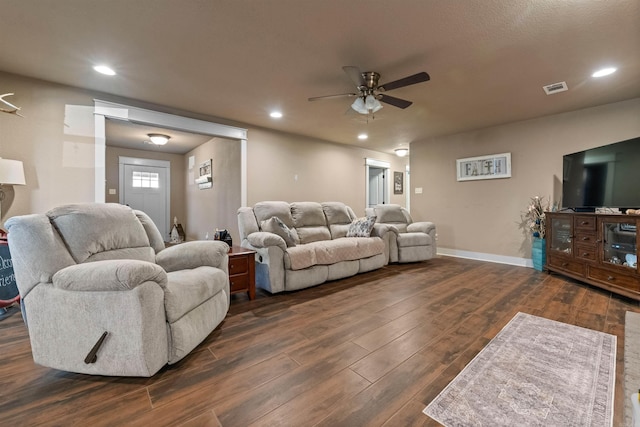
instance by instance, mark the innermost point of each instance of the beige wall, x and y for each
(325, 171)
(214, 207)
(54, 140)
(177, 205)
(484, 216)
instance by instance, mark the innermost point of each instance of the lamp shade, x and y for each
(401, 152)
(11, 172)
(358, 105)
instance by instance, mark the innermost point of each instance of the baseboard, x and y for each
(498, 259)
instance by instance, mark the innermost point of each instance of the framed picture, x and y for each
(398, 183)
(484, 167)
(204, 181)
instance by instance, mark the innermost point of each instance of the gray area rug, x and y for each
(631, 361)
(535, 372)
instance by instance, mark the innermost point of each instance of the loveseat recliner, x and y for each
(304, 244)
(101, 294)
(413, 242)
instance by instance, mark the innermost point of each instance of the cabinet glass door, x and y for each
(619, 246)
(561, 235)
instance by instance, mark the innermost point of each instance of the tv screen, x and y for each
(607, 176)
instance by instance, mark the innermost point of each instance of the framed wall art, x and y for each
(484, 167)
(398, 183)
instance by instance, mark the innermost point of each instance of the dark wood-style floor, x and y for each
(370, 350)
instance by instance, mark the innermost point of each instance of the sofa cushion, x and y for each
(276, 226)
(339, 217)
(336, 213)
(266, 210)
(332, 251)
(390, 214)
(361, 227)
(94, 230)
(310, 222)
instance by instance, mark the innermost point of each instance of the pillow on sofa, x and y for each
(276, 226)
(361, 227)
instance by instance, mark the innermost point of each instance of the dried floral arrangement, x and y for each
(535, 217)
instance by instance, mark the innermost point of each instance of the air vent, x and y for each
(555, 88)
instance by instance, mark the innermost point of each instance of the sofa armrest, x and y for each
(109, 275)
(263, 239)
(424, 227)
(380, 230)
(189, 255)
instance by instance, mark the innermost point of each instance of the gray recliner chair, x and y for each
(415, 241)
(101, 294)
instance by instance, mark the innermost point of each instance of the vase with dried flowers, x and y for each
(535, 220)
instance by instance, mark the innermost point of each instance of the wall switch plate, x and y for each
(418, 190)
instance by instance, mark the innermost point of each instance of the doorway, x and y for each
(377, 182)
(144, 185)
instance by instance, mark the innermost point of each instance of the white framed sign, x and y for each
(484, 167)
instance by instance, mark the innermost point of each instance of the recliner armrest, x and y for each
(189, 255)
(380, 229)
(109, 275)
(264, 239)
(424, 227)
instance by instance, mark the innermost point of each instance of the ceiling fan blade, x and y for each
(354, 74)
(340, 95)
(410, 80)
(396, 102)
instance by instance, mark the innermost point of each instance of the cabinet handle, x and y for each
(564, 264)
(585, 238)
(585, 254)
(584, 223)
(611, 278)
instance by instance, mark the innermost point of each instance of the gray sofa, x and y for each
(308, 245)
(83, 270)
(414, 241)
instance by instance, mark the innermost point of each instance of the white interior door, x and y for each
(376, 186)
(144, 185)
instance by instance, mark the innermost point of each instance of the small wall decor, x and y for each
(484, 167)
(398, 183)
(12, 108)
(204, 181)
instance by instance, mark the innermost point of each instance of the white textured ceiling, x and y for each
(238, 59)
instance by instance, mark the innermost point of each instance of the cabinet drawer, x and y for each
(238, 265)
(239, 283)
(622, 280)
(584, 222)
(584, 238)
(576, 267)
(586, 252)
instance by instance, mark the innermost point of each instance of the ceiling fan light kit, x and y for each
(367, 98)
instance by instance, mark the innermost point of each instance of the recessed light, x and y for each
(276, 115)
(103, 69)
(363, 136)
(604, 72)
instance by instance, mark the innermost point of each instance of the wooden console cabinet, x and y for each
(595, 248)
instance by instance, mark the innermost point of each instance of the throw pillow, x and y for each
(361, 227)
(276, 226)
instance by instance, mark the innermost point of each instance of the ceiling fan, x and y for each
(368, 96)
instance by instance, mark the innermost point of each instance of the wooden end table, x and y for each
(242, 271)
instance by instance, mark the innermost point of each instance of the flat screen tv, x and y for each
(607, 176)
